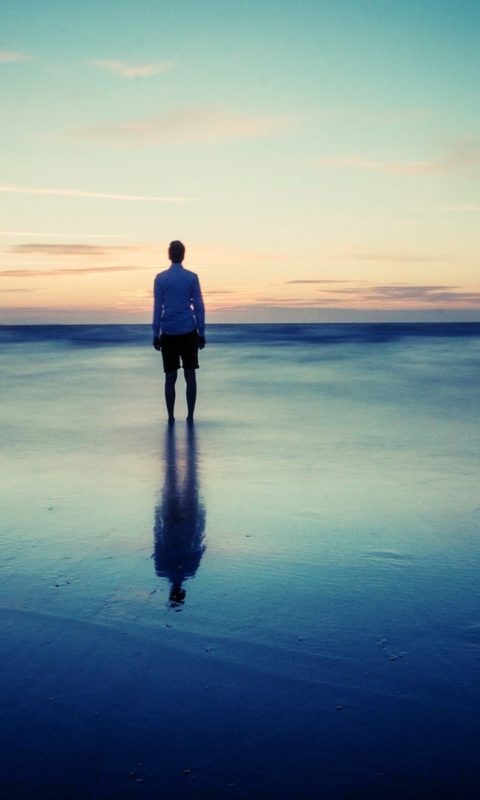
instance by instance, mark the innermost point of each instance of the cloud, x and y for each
(141, 294)
(446, 208)
(386, 256)
(375, 115)
(67, 249)
(95, 195)
(392, 256)
(421, 294)
(464, 155)
(127, 70)
(191, 124)
(399, 295)
(286, 302)
(64, 235)
(390, 167)
(461, 156)
(211, 292)
(316, 281)
(74, 271)
(11, 57)
(16, 291)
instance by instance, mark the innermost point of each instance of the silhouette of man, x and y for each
(178, 326)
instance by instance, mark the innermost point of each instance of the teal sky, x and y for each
(318, 159)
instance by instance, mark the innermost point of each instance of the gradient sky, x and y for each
(320, 159)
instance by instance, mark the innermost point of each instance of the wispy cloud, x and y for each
(286, 302)
(124, 69)
(63, 235)
(396, 295)
(316, 281)
(461, 156)
(464, 155)
(95, 195)
(138, 294)
(446, 208)
(70, 272)
(12, 56)
(403, 291)
(211, 292)
(18, 291)
(436, 294)
(390, 167)
(90, 250)
(194, 124)
(375, 115)
(386, 256)
(392, 256)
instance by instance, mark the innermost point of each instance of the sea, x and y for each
(315, 534)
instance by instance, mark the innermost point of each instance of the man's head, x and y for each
(176, 252)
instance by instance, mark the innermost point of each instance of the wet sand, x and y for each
(322, 520)
(91, 711)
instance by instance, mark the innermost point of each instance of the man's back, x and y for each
(178, 301)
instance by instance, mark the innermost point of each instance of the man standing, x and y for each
(178, 326)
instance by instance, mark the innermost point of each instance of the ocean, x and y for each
(310, 547)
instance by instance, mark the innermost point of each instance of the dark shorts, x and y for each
(179, 346)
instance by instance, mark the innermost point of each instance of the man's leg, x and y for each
(191, 381)
(170, 381)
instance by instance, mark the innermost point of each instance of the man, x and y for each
(178, 326)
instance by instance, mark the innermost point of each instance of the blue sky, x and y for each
(317, 159)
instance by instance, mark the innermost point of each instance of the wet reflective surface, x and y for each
(180, 515)
(315, 536)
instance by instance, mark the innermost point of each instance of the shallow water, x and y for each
(320, 521)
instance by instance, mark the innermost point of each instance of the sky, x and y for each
(320, 159)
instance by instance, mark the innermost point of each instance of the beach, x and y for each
(278, 602)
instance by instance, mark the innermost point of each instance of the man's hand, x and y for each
(201, 342)
(156, 343)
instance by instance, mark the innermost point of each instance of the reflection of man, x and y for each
(179, 315)
(179, 517)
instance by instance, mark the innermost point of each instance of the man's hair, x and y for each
(176, 252)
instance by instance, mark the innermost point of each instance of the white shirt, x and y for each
(178, 303)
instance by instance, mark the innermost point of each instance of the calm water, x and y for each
(321, 520)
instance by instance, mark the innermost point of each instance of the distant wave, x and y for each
(252, 334)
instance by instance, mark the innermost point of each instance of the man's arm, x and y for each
(157, 313)
(199, 311)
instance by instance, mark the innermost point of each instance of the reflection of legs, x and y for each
(191, 381)
(170, 380)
